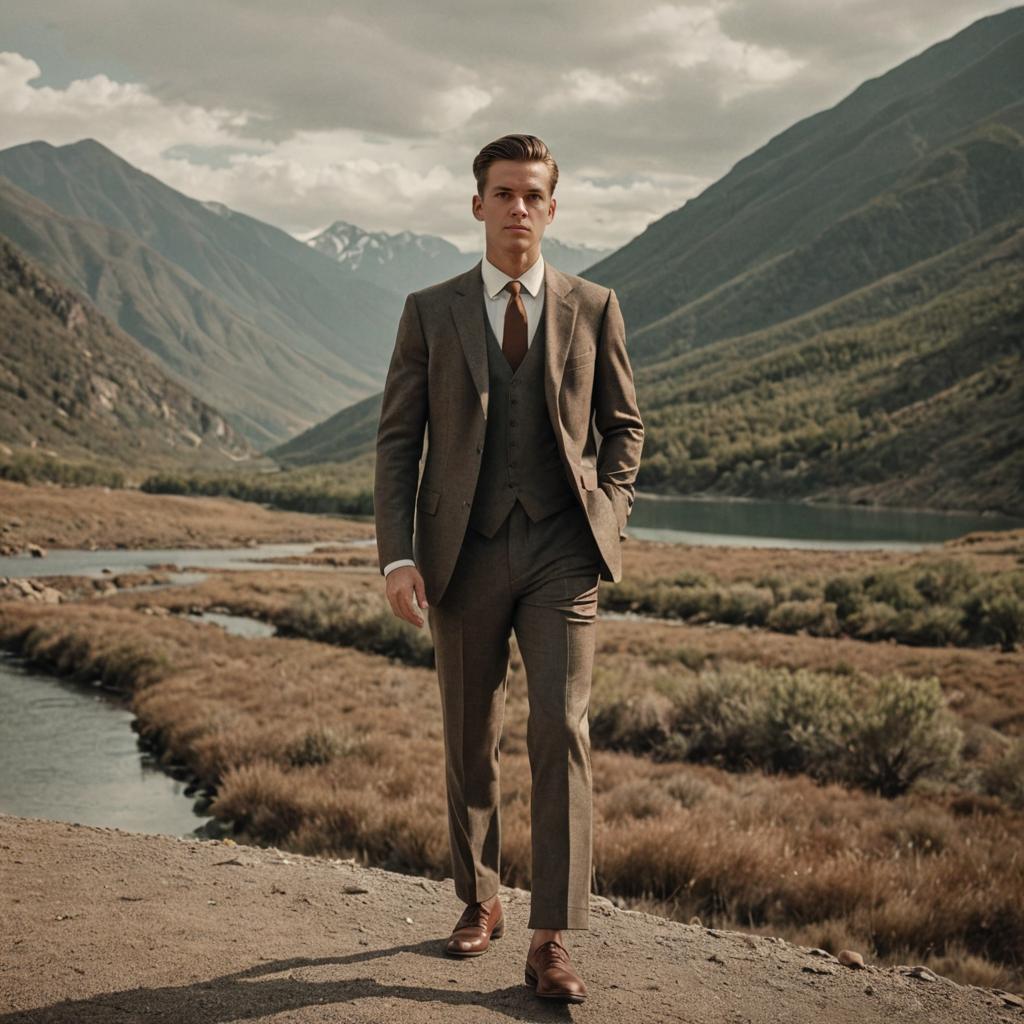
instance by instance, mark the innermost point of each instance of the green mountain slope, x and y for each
(840, 317)
(921, 407)
(266, 389)
(770, 217)
(74, 385)
(285, 290)
(349, 434)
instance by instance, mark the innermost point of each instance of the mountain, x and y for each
(406, 262)
(305, 335)
(840, 316)
(75, 385)
(837, 201)
(262, 385)
(923, 407)
(346, 436)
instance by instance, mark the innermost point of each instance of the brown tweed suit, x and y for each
(538, 578)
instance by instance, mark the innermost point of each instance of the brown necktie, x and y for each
(513, 341)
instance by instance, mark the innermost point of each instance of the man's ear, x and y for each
(551, 210)
(478, 206)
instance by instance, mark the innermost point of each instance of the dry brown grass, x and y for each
(332, 750)
(650, 560)
(77, 517)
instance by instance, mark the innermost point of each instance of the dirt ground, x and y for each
(103, 926)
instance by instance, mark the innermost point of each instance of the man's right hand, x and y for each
(401, 585)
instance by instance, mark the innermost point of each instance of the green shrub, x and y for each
(879, 734)
(816, 617)
(935, 627)
(946, 582)
(1004, 777)
(876, 620)
(894, 589)
(994, 612)
(846, 593)
(357, 620)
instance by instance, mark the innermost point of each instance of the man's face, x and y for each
(516, 206)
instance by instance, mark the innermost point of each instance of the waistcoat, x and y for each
(520, 461)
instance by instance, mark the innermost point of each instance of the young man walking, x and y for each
(508, 368)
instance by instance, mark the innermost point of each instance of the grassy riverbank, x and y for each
(101, 517)
(323, 748)
(707, 803)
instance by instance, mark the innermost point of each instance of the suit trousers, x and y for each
(541, 580)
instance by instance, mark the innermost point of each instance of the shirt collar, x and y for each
(495, 279)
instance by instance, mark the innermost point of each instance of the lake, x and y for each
(791, 524)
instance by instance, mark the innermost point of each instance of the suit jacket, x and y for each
(437, 381)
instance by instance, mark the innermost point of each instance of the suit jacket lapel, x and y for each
(468, 314)
(559, 321)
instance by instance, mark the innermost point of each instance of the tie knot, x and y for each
(514, 287)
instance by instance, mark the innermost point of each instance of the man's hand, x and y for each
(400, 585)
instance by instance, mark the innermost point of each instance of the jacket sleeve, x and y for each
(616, 415)
(400, 430)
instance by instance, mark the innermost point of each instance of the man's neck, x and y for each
(514, 264)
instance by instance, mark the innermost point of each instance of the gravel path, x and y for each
(102, 925)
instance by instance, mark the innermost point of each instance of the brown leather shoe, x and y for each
(551, 974)
(474, 930)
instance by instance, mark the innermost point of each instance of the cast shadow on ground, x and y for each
(248, 995)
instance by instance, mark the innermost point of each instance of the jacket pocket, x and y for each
(427, 500)
(588, 477)
(580, 357)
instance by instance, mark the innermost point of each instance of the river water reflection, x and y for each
(798, 525)
(69, 753)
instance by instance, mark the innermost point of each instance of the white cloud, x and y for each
(581, 86)
(372, 111)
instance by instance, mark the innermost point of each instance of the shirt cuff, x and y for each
(397, 563)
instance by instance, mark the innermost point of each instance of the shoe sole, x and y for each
(531, 980)
(499, 930)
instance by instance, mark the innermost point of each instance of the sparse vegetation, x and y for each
(311, 489)
(879, 734)
(358, 619)
(926, 603)
(331, 750)
(27, 467)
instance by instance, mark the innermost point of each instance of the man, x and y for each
(518, 515)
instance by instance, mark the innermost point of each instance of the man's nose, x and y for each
(519, 207)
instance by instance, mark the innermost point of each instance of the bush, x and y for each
(846, 594)
(879, 734)
(640, 724)
(364, 621)
(994, 612)
(935, 627)
(894, 589)
(816, 617)
(1004, 777)
(946, 582)
(319, 746)
(876, 620)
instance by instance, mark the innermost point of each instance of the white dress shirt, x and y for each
(496, 300)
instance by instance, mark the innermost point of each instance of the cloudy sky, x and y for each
(371, 110)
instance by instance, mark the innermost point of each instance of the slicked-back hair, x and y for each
(513, 147)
